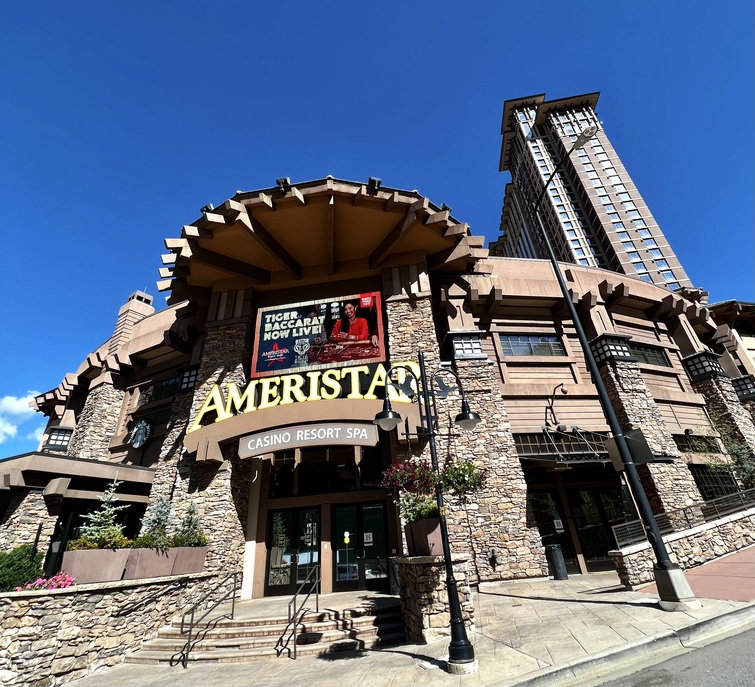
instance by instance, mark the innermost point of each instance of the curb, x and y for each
(639, 652)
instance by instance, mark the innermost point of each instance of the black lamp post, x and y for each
(461, 657)
(673, 589)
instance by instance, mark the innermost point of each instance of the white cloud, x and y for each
(37, 434)
(14, 411)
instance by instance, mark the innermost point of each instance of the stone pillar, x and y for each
(494, 519)
(670, 487)
(424, 601)
(97, 422)
(219, 491)
(25, 512)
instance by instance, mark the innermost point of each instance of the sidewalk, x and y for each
(532, 633)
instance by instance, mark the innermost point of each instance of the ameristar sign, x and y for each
(316, 385)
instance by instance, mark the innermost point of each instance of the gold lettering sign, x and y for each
(286, 389)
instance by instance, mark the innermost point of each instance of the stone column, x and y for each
(494, 519)
(25, 512)
(97, 422)
(219, 491)
(670, 486)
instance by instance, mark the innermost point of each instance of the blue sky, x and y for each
(121, 120)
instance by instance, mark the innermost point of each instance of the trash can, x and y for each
(555, 557)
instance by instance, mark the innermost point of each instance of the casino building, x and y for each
(253, 394)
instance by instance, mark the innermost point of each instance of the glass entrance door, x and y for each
(594, 512)
(293, 548)
(360, 548)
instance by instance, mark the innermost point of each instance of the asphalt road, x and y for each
(728, 663)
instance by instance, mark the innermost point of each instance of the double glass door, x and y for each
(360, 551)
(293, 548)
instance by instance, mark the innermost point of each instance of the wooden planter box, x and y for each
(423, 537)
(189, 559)
(143, 563)
(95, 565)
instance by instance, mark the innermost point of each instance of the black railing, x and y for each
(628, 533)
(188, 627)
(297, 611)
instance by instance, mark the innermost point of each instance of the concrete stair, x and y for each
(223, 640)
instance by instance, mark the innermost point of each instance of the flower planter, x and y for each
(144, 563)
(423, 537)
(189, 559)
(95, 565)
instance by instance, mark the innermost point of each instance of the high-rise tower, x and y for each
(592, 210)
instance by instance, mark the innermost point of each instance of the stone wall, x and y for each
(726, 411)
(424, 601)
(51, 637)
(97, 423)
(669, 486)
(219, 491)
(496, 518)
(25, 512)
(689, 548)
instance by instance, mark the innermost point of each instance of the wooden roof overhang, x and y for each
(309, 233)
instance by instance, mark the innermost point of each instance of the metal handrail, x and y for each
(193, 622)
(296, 612)
(633, 532)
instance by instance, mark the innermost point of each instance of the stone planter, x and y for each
(145, 563)
(423, 537)
(95, 565)
(189, 559)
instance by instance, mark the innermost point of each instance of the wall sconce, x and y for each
(493, 559)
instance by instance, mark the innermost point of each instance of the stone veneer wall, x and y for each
(96, 424)
(687, 549)
(496, 518)
(25, 512)
(219, 491)
(424, 601)
(669, 486)
(728, 414)
(52, 637)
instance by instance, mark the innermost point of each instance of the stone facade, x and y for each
(26, 511)
(726, 411)
(52, 637)
(669, 486)
(219, 491)
(424, 601)
(97, 423)
(689, 548)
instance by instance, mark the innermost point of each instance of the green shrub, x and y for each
(155, 524)
(189, 531)
(18, 567)
(102, 530)
(418, 506)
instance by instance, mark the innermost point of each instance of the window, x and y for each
(618, 226)
(645, 277)
(640, 267)
(584, 261)
(633, 214)
(667, 275)
(624, 196)
(513, 345)
(713, 481)
(661, 263)
(650, 243)
(655, 253)
(639, 223)
(58, 439)
(624, 236)
(649, 354)
(644, 233)
(628, 245)
(634, 257)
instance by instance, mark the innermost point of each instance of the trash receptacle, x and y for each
(556, 561)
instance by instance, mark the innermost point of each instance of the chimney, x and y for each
(137, 307)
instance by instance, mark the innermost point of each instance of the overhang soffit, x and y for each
(268, 237)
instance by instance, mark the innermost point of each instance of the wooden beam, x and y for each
(192, 232)
(390, 201)
(359, 195)
(265, 199)
(227, 264)
(296, 193)
(456, 230)
(331, 224)
(257, 231)
(403, 227)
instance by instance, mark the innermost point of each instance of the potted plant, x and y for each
(412, 484)
(99, 554)
(463, 477)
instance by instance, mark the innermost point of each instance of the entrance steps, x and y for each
(346, 624)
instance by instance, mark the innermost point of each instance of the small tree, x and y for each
(189, 531)
(102, 530)
(155, 524)
(18, 567)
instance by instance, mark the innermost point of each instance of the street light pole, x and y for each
(461, 656)
(673, 589)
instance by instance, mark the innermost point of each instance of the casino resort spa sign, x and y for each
(297, 436)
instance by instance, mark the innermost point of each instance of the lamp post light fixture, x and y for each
(461, 657)
(673, 589)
